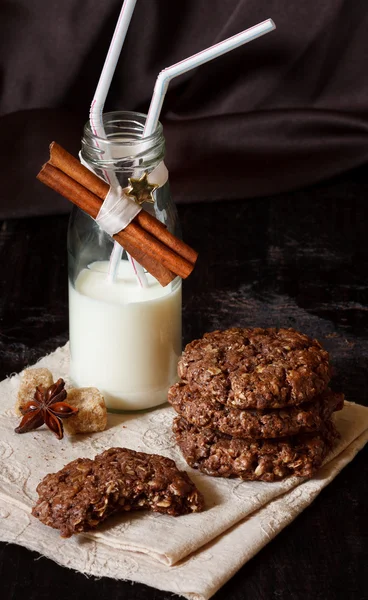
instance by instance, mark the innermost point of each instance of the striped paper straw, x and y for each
(166, 75)
(96, 121)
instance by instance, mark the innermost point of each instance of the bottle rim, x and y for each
(134, 121)
(123, 147)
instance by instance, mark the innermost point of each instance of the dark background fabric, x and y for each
(282, 112)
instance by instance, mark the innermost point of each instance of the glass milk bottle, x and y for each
(124, 339)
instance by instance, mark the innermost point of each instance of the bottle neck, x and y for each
(123, 150)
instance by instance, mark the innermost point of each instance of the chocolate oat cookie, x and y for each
(267, 460)
(202, 410)
(85, 492)
(256, 368)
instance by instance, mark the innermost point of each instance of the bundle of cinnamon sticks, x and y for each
(146, 239)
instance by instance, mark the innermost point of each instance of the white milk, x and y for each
(124, 340)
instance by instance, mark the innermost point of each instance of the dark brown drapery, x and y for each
(284, 111)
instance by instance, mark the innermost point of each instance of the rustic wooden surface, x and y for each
(300, 260)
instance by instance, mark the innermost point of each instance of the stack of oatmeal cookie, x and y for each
(255, 404)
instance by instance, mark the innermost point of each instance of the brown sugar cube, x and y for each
(92, 413)
(30, 380)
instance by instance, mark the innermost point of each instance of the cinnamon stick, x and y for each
(67, 163)
(91, 204)
(158, 230)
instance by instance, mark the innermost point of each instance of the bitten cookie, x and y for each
(220, 455)
(202, 410)
(256, 368)
(85, 492)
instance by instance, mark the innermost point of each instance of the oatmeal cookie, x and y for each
(256, 368)
(85, 492)
(202, 410)
(220, 455)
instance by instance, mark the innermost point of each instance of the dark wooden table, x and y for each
(299, 260)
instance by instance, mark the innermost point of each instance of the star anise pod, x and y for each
(47, 407)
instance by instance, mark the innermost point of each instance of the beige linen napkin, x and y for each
(192, 555)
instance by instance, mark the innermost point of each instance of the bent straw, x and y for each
(96, 121)
(166, 75)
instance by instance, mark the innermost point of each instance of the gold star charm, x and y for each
(141, 190)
